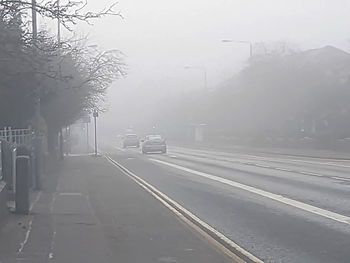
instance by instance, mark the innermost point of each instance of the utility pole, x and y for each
(59, 72)
(95, 115)
(58, 22)
(34, 21)
(38, 139)
(35, 35)
(87, 137)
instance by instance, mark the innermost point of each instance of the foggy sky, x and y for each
(161, 37)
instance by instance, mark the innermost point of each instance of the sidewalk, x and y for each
(90, 212)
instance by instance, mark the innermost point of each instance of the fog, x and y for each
(160, 38)
(223, 131)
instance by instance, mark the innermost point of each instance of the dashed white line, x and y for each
(341, 178)
(283, 169)
(70, 194)
(313, 174)
(80, 154)
(266, 159)
(268, 167)
(261, 165)
(279, 198)
(271, 167)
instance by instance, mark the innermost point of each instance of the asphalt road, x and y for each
(279, 208)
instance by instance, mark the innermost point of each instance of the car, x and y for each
(153, 143)
(130, 140)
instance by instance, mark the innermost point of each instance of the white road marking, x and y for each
(50, 256)
(70, 194)
(166, 201)
(79, 154)
(232, 155)
(35, 201)
(261, 165)
(29, 229)
(341, 178)
(313, 174)
(52, 245)
(265, 166)
(279, 198)
(283, 169)
(26, 237)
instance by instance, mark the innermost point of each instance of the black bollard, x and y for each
(23, 171)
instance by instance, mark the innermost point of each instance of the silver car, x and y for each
(153, 143)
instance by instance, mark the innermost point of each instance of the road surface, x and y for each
(279, 208)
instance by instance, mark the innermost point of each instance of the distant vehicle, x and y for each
(153, 143)
(131, 140)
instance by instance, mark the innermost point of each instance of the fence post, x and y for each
(10, 135)
(5, 134)
(13, 179)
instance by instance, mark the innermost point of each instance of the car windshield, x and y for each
(131, 136)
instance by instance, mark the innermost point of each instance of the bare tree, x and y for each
(68, 12)
(69, 77)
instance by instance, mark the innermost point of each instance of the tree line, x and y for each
(301, 94)
(67, 77)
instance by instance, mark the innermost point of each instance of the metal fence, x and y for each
(17, 136)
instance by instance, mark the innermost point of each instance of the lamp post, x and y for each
(58, 22)
(87, 137)
(241, 42)
(203, 69)
(95, 115)
(35, 35)
(34, 20)
(59, 72)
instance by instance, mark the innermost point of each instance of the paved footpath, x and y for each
(90, 212)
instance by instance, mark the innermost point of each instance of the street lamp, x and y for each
(241, 42)
(95, 115)
(203, 69)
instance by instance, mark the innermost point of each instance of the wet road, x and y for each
(279, 208)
